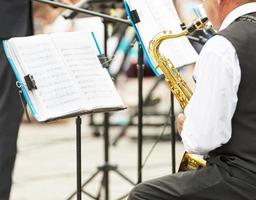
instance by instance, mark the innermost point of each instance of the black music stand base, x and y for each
(102, 169)
(105, 168)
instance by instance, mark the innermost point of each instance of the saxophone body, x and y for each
(176, 83)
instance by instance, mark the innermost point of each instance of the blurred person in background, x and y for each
(185, 9)
(45, 17)
(15, 20)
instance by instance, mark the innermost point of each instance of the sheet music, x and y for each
(55, 90)
(157, 16)
(81, 57)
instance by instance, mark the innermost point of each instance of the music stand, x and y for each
(106, 167)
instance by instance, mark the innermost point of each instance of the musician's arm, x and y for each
(211, 108)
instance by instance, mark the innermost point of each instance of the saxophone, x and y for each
(176, 83)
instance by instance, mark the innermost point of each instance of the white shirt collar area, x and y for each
(238, 12)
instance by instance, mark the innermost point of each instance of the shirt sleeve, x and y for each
(212, 106)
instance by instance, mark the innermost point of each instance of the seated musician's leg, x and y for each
(171, 187)
(160, 189)
(212, 182)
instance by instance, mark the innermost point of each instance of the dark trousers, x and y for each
(10, 118)
(214, 182)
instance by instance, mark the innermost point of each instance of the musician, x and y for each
(220, 119)
(15, 20)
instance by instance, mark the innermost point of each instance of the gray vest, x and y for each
(15, 18)
(242, 145)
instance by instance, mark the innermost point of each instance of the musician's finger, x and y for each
(180, 121)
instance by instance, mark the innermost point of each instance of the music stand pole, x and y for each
(106, 125)
(78, 158)
(140, 74)
(173, 134)
(84, 11)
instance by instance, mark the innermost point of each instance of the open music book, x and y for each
(155, 17)
(67, 76)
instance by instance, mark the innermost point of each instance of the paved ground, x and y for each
(46, 162)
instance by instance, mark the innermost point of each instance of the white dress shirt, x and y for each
(212, 106)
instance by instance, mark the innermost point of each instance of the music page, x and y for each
(81, 58)
(56, 92)
(157, 16)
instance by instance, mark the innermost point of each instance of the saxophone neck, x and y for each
(165, 35)
(155, 43)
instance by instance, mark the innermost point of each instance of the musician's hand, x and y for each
(180, 121)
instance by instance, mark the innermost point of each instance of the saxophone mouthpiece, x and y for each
(204, 20)
(197, 25)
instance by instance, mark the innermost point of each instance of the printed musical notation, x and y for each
(55, 88)
(81, 57)
(158, 16)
